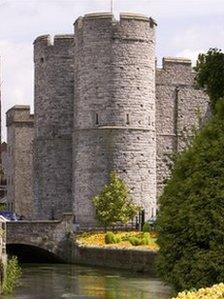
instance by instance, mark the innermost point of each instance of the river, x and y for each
(54, 281)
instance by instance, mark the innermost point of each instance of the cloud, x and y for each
(17, 75)
(185, 28)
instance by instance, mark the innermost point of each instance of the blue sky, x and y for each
(185, 28)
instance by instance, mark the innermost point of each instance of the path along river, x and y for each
(54, 281)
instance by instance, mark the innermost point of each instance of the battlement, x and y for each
(130, 26)
(137, 17)
(19, 114)
(123, 16)
(99, 15)
(46, 46)
(174, 61)
(48, 40)
(44, 39)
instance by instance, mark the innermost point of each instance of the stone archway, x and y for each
(28, 253)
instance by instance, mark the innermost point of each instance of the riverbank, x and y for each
(126, 259)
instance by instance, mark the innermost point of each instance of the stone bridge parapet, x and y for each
(52, 236)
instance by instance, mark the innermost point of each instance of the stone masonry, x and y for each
(114, 108)
(180, 107)
(20, 134)
(101, 105)
(53, 108)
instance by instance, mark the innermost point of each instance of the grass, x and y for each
(98, 240)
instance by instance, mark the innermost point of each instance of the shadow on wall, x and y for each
(31, 254)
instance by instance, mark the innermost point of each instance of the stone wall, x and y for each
(19, 170)
(125, 259)
(180, 108)
(53, 106)
(114, 109)
(97, 110)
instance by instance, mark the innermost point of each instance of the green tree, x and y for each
(210, 74)
(191, 216)
(114, 203)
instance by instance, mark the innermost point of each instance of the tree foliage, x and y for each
(191, 216)
(114, 203)
(210, 74)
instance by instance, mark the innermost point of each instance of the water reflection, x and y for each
(52, 281)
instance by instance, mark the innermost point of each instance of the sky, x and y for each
(185, 29)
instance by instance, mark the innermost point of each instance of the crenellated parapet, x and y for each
(47, 47)
(175, 71)
(19, 114)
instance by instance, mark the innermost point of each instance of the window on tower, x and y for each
(97, 119)
(127, 119)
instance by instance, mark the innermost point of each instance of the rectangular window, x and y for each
(127, 119)
(97, 119)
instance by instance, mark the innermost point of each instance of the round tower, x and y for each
(53, 107)
(114, 109)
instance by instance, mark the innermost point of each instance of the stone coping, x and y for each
(99, 15)
(35, 221)
(19, 107)
(44, 37)
(134, 16)
(47, 38)
(176, 60)
(115, 248)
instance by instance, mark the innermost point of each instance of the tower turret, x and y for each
(114, 109)
(54, 76)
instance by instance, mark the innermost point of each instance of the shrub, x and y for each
(146, 227)
(111, 238)
(215, 292)
(135, 241)
(13, 273)
(145, 241)
(190, 219)
(141, 239)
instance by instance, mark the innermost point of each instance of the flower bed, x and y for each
(215, 292)
(125, 240)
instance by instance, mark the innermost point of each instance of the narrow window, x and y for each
(149, 121)
(97, 119)
(152, 212)
(127, 119)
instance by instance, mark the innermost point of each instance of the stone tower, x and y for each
(114, 109)
(53, 107)
(19, 171)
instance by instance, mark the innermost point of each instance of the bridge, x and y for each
(46, 239)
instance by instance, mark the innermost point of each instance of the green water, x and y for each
(53, 281)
